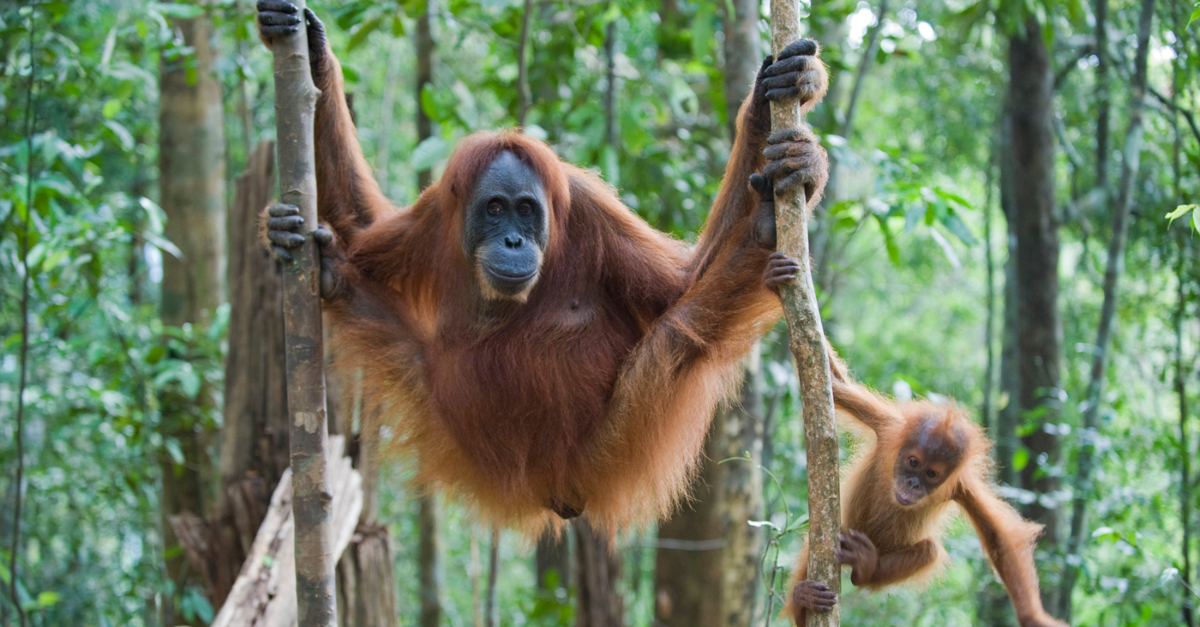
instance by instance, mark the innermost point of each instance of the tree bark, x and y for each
(1102, 96)
(687, 566)
(807, 342)
(553, 556)
(295, 102)
(743, 54)
(1038, 331)
(598, 569)
(1112, 273)
(192, 195)
(524, 96)
(1187, 610)
(426, 51)
(429, 542)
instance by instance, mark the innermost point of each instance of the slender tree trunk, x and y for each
(492, 613)
(192, 187)
(426, 53)
(429, 549)
(743, 54)
(598, 569)
(1185, 452)
(989, 330)
(1184, 244)
(295, 103)
(806, 339)
(524, 97)
(1102, 96)
(429, 560)
(1112, 273)
(738, 433)
(688, 585)
(553, 556)
(708, 556)
(1038, 331)
(383, 158)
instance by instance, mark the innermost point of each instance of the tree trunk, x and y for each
(1112, 273)
(806, 339)
(524, 97)
(1102, 96)
(429, 543)
(426, 51)
(743, 54)
(295, 104)
(1185, 453)
(738, 433)
(687, 575)
(598, 569)
(192, 188)
(553, 556)
(1038, 332)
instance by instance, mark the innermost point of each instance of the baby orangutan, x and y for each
(896, 495)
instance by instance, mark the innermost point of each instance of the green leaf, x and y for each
(1020, 459)
(47, 599)
(111, 108)
(960, 230)
(360, 35)
(1195, 15)
(180, 11)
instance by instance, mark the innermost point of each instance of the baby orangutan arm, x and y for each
(1008, 540)
(869, 568)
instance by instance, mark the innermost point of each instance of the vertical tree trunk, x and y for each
(383, 157)
(1030, 91)
(707, 561)
(553, 556)
(192, 188)
(1112, 273)
(429, 549)
(426, 51)
(1185, 452)
(598, 569)
(295, 104)
(743, 54)
(738, 433)
(524, 96)
(1102, 96)
(687, 573)
(806, 339)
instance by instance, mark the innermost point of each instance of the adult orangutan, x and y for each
(540, 348)
(896, 496)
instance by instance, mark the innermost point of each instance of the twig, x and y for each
(492, 612)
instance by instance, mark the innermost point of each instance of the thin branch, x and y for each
(19, 435)
(863, 65)
(1187, 115)
(1061, 75)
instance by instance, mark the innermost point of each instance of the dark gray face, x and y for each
(506, 228)
(928, 457)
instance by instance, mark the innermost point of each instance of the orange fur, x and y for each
(870, 507)
(594, 392)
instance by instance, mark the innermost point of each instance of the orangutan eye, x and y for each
(931, 474)
(912, 461)
(524, 209)
(494, 208)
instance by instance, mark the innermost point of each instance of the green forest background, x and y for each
(113, 368)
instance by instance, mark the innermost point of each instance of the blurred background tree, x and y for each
(982, 153)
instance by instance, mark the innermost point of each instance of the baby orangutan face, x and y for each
(930, 454)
